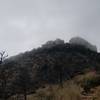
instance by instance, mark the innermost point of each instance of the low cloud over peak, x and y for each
(25, 24)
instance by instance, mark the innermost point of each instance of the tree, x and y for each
(6, 77)
(3, 56)
(23, 82)
(7, 73)
(3, 75)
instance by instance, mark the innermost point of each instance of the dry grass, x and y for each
(70, 91)
(88, 75)
(97, 93)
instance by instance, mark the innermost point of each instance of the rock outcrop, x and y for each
(53, 43)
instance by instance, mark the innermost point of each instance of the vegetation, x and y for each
(46, 73)
(70, 91)
(23, 83)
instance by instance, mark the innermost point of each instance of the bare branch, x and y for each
(3, 56)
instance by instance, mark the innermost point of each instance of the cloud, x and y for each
(26, 24)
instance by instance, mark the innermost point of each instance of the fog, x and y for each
(26, 24)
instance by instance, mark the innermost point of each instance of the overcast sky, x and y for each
(26, 24)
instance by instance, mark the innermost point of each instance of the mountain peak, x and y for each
(53, 43)
(83, 42)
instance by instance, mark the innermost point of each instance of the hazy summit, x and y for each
(53, 43)
(73, 41)
(83, 42)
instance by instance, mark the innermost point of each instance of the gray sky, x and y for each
(26, 24)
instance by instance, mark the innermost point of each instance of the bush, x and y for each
(90, 82)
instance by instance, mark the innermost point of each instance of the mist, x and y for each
(27, 24)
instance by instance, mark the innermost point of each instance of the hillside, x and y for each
(51, 65)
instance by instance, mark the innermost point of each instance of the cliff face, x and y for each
(81, 41)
